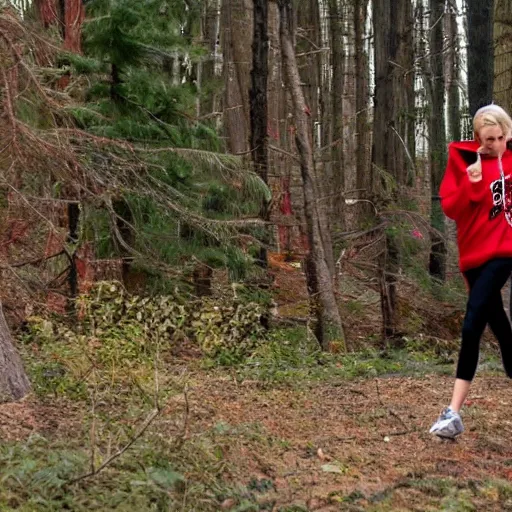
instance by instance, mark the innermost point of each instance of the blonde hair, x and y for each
(492, 115)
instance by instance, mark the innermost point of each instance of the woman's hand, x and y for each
(475, 170)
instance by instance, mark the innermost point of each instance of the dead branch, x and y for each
(149, 420)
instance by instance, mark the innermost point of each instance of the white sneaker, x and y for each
(449, 424)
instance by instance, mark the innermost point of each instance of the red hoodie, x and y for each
(484, 226)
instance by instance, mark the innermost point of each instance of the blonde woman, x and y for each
(476, 192)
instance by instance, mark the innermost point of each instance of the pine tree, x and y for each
(139, 69)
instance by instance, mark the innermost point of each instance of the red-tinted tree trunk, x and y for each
(74, 14)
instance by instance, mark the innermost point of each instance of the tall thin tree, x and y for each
(437, 135)
(329, 328)
(452, 71)
(338, 77)
(480, 16)
(503, 54)
(393, 126)
(363, 173)
(258, 101)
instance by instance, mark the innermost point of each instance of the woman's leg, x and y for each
(460, 393)
(500, 325)
(485, 285)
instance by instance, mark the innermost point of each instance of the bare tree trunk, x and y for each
(452, 67)
(308, 21)
(259, 104)
(393, 125)
(363, 172)
(14, 382)
(310, 68)
(437, 134)
(452, 73)
(503, 54)
(47, 11)
(337, 152)
(236, 19)
(211, 24)
(393, 87)
(329, 327)
(480, 53)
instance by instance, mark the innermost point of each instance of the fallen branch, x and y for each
(153, 414)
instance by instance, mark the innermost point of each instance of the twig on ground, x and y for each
(152, 415)
(391, 412)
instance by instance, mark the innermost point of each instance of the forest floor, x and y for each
(334, 444)
(290, 429)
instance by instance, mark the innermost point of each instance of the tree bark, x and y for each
(259, 106)
(338, 77)
(452, 67)
(452, 73)
(14, 383)
(393, 128)
(437, 264)
(363, 173)
(329, 328)
(480, 53)
(236, 19)
(211, 23)
(503, 54)
(394, 93)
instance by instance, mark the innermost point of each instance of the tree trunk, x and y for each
(211, 22)
(394, 93)
(47, 11)
(393, 130)
(503, 66)
(480, 53)
(452, 67)
(329, 328)
(259, 105)
(363, 171)
(69, 14)
(310, 69)
(14, 383)
(452, 73)
(338, 77)
(437, 265)
(503, 54)
(74, 14)
(236, 19)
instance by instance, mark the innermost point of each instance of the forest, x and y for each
(227, 282)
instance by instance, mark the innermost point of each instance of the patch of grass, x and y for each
(431, 494)
(156, 473)
(291, 356)
(36, 475)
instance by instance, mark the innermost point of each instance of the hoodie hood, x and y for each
(467, 150)
(464, 153)
(466, 145)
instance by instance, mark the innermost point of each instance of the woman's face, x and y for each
(492, 139)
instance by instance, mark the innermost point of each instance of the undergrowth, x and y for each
(156, 474)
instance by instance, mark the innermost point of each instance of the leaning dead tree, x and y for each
(329, 329)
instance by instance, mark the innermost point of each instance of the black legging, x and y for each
(485, 306)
